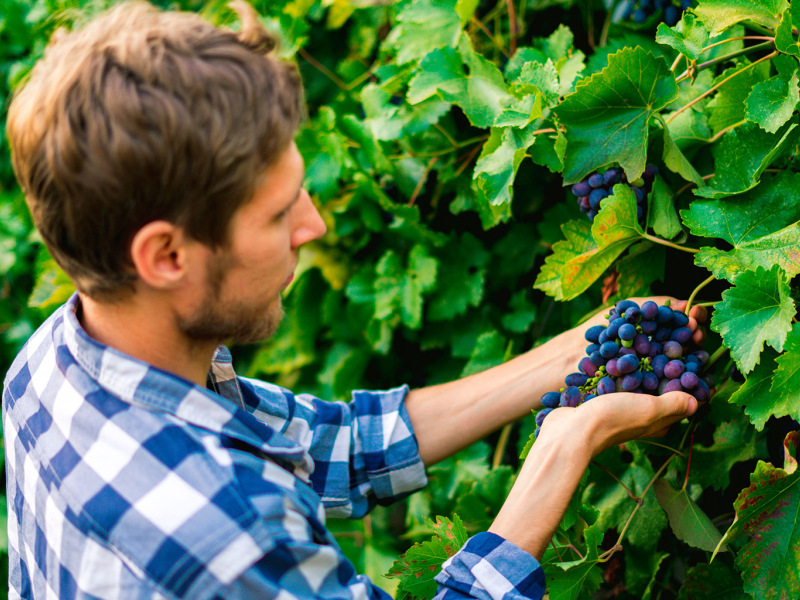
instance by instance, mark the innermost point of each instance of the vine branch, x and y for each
(703, 284)
(722, 59)
(663, 242)
(617, 479)
(500, 449)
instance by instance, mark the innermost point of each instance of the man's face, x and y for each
(241, 300)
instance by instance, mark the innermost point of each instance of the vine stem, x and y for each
(455, 148)
(707, 304)
(670, 448)
(512, 26)
(466, 162)
(696, 290)
(721, 351)
(658, 240)
(715, 61)
(690, 184)
(734, 39)
(607, 24)
(721, 83)
(422, 180)
(722, 132)
(688, 464)
(485, 30)
(617, 479)
(676, 63)
(500, 449)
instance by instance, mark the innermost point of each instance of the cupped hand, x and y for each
(612, 419)
(697, 316)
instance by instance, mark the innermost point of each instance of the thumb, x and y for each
(678, 404)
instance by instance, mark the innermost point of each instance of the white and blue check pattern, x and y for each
(125, 481)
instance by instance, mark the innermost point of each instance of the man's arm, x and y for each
(451, 416)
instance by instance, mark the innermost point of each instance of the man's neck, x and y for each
(147, 331)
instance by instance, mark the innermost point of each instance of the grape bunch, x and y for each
(643, 349)
(598, 186)
(641, 10)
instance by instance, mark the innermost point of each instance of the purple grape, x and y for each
(674, 369)
(673, 349)
(603, 337)
(624, 305)
(596, 180)
(641, 344)
(639, 193)
(661, 385)
(664, 315)
(613, 327)
(536, 431)
(650, 171)
(648, 327)
(593, 333)
(681, 335)
(709, 379)
(701, 392)
(571, 397)
(592, 348)
(627, 364)
(639, 16)
(662, 335)
(632, 381)
(639, 213)
(611, 368)
(658, 364)
(612, 176)
(551, 399)
(627, 332)
(542, 414)
(587, 367)
(576, 379)
(672, 14)
(626, 351)
(649, 310)
(693, 367)
(691, 359)
(589, 397)
(596, 197)
(650, 381)
(702, 355)
(609, 350)
(673, 385)
(605, 386)
(633, 315)
(592, 215)
(655, 349)
(679, 319)
(612, 314)
(689, 380)
(597, 359)
(581, 188)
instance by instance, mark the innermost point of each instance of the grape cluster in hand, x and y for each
(643, 350)
(597, 187)
(641, 10)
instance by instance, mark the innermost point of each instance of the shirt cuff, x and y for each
(490, 567)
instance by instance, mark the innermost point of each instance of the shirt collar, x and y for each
(139, 383)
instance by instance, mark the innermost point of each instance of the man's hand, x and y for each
(569, 439)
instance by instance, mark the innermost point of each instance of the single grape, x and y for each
(597, 359)
(576, 379)
(673, 385)
(650, 381)
(542, 414)
(624, 305)
(648, 327)
(664, 315)
(693, 367)
(691, 359)
(701, 392)
(536, 431)
(613, 327)
(584, 203)
(662, 335)
(639, 213)
(649, 310)
(593, 214)
(589, 397)
(639, 193)
(627, 343)
(625, 351)
(650, 171)
(673, 349)
(637, 182)
(571, 397)
(611, 368)
(609, 349)
(551, 399)
(689, 380)
(627, 332)
(591, 348)
(611, 176)
(679, 319)
(596, 196)
(587, 367)
(627, 364)
(582, 188)
(655, 349)
(603, 338)
(672, 14)
(661, 385)
(632, 381)
(633, 315)
(658, 364)
(639, 15)
(702, 355)
(596, 180)
(606, 386)
(681, 335)
(674, 369)
(641, 343)
(593, 333)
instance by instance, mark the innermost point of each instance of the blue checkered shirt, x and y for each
(128, 482)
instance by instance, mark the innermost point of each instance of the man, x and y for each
(157, 158)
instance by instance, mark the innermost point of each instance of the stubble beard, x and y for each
(218, 322)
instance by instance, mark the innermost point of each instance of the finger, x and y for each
(677, 404)
(692, 323)
(700, 313)
(660, 433)
(699, 336)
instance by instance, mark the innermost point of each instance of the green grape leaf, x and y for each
(539, 78)
(768, 511)
(676, 162)
(53, 286)
(734, 442)
(784, 389)
(481, 94)
(607, 116)
(548, 150)
(727, 107)
(715, 581)
(388, 122)
(461, 284)
(688, 37)
(761, 225)
(662, 217)
(417, 568)
(754, 394)
(424, 26)
(772, 102)
(565, 580)
(400, 290)
(756, 310)
(742, 156)
(721, 14)
(639, 269)
(614, 229)
(489, 351)
(578, 240)
(570, 71)
(784, 40)
(522, 313)
(500, 158)
(483, 501)
(688, 521)
(521, 112)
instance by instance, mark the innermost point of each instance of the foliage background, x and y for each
(427, 271)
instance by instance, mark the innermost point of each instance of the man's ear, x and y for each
(160, 255)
